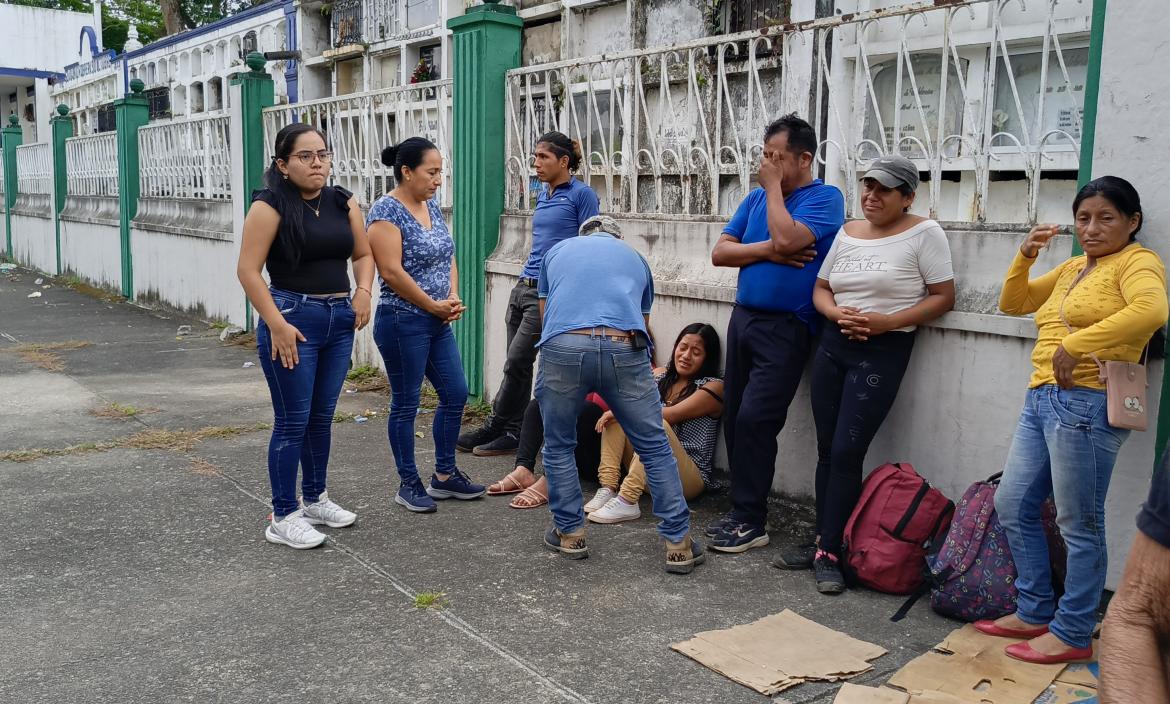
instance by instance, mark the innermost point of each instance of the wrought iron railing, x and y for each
(186, 159)
(346, 22)
(92, 165)
(358, 126)
(968, 89)
(34, 168)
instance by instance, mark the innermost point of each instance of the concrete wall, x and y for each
(34, 238)
(91, 241)
(958, 406)
(41, 39)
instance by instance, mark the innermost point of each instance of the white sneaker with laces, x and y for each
(294, 531)
(327, 512)
(616, 510)
(603, 495)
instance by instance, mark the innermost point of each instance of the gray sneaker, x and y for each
(294, 531)
(796, 557)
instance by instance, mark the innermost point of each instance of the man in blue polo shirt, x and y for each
(596, 339)
(777, 238)
(561, 208)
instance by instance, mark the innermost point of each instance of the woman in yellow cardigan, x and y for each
(1105, 303)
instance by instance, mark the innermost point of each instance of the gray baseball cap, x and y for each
(600, 223)
(893, 170)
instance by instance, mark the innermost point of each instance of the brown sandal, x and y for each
(513, 483)
(534, 496)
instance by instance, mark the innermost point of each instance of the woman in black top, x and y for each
(306, 233)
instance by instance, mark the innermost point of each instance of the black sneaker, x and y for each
(796, 557)
(740, 538)
(828, 573)
(469, 440)
(506, 444)
(720, 526)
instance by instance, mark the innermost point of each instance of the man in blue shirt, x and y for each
(596, 339)
(561, 208)
(777, 238)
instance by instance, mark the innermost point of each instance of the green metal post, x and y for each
(256, 93)
(61, 128)
(11, 136)
(1092, 89)
(486, 43)
(130, 112)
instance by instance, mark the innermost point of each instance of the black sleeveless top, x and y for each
(324, 263)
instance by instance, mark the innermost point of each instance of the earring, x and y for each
(286, 177)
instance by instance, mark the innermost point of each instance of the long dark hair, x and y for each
(1117, 191)
(561, 145)
(712, 349)
(409, 153)
(291, 231)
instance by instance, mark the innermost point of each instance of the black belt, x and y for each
(528, 281)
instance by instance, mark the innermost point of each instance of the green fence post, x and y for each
(130, 113)
(256, 93)
(1092, 91)
(11, 136)
(486, 43)
(61, 128)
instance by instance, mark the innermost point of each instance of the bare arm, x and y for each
(363, 266)
(259, 233)
(386, 243)
(697, 405)
(731, 252)
(1136, 629)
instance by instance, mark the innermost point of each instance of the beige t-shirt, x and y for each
(890, 274)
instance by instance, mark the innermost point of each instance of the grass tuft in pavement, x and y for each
(118, 410)
(366, 378)
(45, 356)
(430, 600)
(153, 439)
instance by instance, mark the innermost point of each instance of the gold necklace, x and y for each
(317, 210)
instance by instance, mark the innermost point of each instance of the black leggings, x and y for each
(588, 439)
(853, 386)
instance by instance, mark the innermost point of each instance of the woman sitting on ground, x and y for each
(522, 480)
(692, 401)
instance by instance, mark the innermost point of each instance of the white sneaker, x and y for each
(327, 512)
(294, 531)
(603, 495)
(616, 510)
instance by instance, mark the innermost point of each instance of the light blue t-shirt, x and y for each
(558, 217)
(594, 281)
(426, 253)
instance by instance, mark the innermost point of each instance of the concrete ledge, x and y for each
(93, 210)
(37, 205)
(206, 219)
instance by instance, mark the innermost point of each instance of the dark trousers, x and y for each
(524, 326)
(304, 397)
(766, 353)
(588, 451)
(853, 386)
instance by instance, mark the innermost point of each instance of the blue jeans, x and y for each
(572, 366)
(414, 345)
(1063, 447)
(303, 398)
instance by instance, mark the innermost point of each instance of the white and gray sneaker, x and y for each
(294, 531)
(616, 510)
(602, 497)
(328, 513)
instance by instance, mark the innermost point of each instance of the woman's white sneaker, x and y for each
(616, 510)
(328, 513)
(601, 498)
(294, 531)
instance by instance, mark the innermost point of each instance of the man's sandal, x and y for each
(515, 482)
(534, 496)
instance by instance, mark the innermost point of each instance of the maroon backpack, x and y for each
(898, 517)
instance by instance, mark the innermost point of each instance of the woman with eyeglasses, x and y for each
(415, 255)
(306, 233)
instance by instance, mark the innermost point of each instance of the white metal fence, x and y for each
(34, 168)
(358, 126)
(975, 91)
(187, 158)
(92, 164)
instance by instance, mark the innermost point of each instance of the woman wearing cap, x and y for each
(884, 276)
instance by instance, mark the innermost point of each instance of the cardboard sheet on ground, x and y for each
(972, 667)
(856, 694)
(780, 651)
(1076, 685)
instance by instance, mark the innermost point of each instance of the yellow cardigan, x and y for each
(1114, 309)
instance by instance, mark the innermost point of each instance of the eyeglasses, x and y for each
(308, 157)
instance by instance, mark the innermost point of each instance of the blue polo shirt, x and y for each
(594, 281)
(778, 288)
(558, 216)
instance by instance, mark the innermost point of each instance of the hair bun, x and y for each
(390, 156)
(577, 149)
